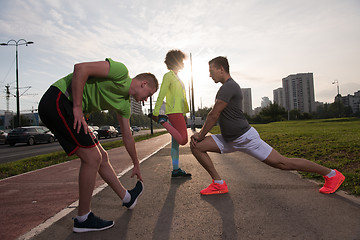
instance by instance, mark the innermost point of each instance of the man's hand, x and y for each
(195, 139)
(136, 171)
(79, 120)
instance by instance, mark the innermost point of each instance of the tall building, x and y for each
(265, 101)
(247, 102)
(299, 92)
(352, 101)
(279, 97)
(136, 107)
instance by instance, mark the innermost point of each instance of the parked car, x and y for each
(119, 130)
(3, 137)
(95, 128)
(135, 128)
(107, 132)
(30, 135)
(95, 132)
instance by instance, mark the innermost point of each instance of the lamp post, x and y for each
(337, 85)
(338, 93)
(16, 44)
(192, 96)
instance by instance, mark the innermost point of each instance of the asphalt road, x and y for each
(262, 203)
(22, 150)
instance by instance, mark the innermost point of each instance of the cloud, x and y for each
(263, 40)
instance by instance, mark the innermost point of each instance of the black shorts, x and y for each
(56, 112)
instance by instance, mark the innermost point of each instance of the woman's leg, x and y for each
(175, 153)
(177, 128)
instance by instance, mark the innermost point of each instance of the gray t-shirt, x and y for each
(232, 121)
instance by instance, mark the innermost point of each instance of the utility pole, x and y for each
(151, 121)
(7, 97)
(16, 44)
(192, 96)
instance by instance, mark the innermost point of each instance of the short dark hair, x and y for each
(220, 62)
(153, 82)
(174, 58)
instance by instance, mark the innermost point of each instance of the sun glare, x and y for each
(203, 84)
(200, 73)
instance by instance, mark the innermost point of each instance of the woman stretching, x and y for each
(176, 108)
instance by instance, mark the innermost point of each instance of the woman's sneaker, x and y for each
(135, 193)
(92, 223)
(161, 119)
(180, 173)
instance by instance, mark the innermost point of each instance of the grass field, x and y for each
(334, 143)
(41, 161)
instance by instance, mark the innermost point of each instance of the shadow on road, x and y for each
(225, 206)
(163, 226)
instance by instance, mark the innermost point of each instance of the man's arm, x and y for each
(211, 119)
(129, 144)
(82, 72)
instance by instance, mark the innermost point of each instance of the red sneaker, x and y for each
(215, 188)
(333, 183)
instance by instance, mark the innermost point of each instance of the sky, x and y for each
(263, 40)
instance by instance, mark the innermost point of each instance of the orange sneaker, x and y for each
(215, 188)
(333, 183)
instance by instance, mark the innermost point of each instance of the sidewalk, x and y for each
(262, 203)
(29, 199)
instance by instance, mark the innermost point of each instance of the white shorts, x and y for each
(250, 143)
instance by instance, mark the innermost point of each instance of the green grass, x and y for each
(41, 161)
(334, 143)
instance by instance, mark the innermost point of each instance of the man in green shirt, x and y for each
(95, 86)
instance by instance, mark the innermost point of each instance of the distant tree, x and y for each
(273, 113)
(97, 119)
(203, 112)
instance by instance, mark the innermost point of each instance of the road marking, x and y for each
(40, 228)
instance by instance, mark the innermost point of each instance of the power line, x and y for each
(11, 66)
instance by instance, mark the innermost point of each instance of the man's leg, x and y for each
(333, 178)
(277, 160)
(200, 153)
(107, 173)
(90, 162)
(86, 221)
(218, 186)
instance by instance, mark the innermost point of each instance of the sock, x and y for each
(127, 197)
(175, 153)
(83, 217)
(331, 174)
(219, 181)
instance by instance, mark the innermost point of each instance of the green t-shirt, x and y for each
(110, 93)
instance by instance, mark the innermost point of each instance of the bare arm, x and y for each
(211, 120)
(82, 72)
(129, 144)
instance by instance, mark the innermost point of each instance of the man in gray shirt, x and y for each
(238, 135)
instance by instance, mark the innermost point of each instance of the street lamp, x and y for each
(337, 84)
(17, 43)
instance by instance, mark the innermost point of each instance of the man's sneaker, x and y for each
(92, 223)
(180, 173)
(161, 119)
(215, 188)
(135, 193)
(333, 183)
